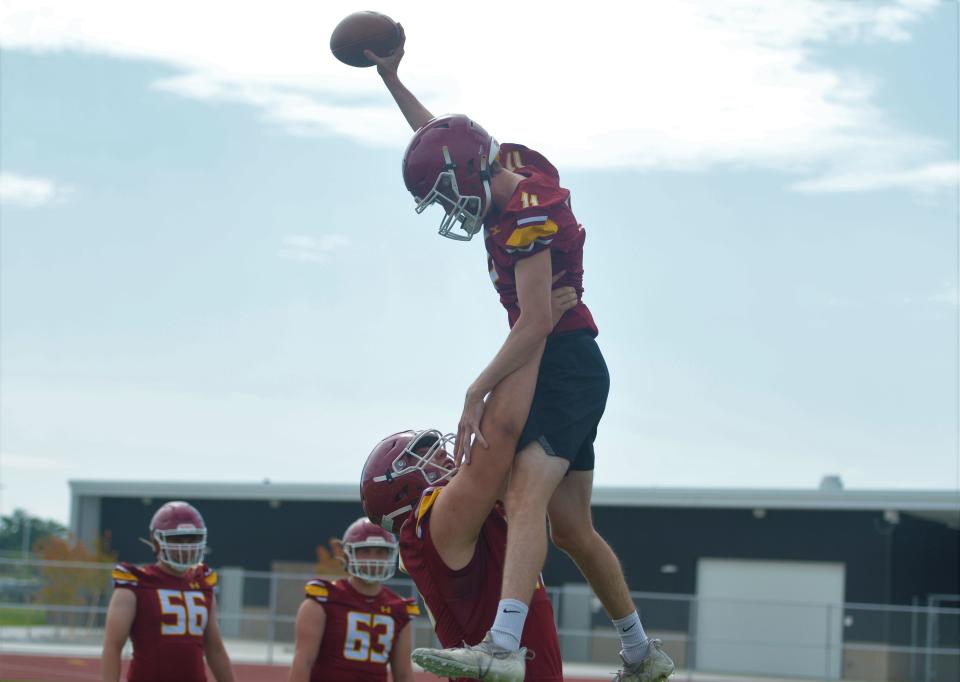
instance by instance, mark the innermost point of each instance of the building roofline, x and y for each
(729, 498)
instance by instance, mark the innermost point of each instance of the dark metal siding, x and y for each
(885, 564)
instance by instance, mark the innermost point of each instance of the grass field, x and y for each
(22, 617)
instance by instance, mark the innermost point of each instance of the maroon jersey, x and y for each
(463, 604)
(537, 217)
(172, 616)
(360, 632)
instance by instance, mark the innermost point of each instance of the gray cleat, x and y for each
(656, 666)
(482, 661)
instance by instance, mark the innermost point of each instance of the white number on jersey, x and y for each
(189, 609)
(357, 645)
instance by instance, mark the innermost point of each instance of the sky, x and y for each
(211, 270)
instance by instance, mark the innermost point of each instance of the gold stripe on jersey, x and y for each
(211, 579)
(124, 576)
(413, 610)
(317, 591)
(523, 237)
(426, 502)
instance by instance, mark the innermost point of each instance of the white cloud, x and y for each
(30, 192)
(681, 84)
(924, 178)
(312, 249)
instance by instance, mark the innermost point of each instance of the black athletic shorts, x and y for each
(571, 395)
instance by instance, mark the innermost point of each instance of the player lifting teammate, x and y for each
(351, 629)
(167, 608)
(451, 544)
(530, 231)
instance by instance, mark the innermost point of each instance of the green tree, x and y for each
(20, 523)
(74, 586)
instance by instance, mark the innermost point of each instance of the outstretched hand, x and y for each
(468, 430)
(387, 66)
(562, 299)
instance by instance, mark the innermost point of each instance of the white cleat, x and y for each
(656, 666)
(483, 661)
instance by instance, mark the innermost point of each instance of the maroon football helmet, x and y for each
(178, 519)
(399, 469)
(361, 534)
(448, 162)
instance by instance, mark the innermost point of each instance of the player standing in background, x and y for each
(167, 608)
(350, 629)
(529, 232)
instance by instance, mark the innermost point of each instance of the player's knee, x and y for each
(525, 502)
(501, 425)
(574, 539)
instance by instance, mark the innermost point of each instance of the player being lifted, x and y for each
(514, 194)
(351, 629)
(167, 608)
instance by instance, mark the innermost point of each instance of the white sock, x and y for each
(508, 625)
(632, 637)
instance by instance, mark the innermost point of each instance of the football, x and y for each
(364, 31)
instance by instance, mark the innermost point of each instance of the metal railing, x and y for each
(57, 604)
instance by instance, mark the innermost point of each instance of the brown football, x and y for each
(364, 31)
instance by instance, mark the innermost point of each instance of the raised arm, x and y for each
(416, 114)
(461, 510)
(533, 277)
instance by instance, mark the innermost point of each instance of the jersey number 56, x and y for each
(189, 610)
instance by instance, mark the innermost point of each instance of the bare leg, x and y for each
(535, 477)
(571, 529)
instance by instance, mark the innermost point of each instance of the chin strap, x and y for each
(487, 191)
(448, 163)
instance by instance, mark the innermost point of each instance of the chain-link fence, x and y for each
(58, 605)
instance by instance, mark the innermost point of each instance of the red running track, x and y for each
(30, 668)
